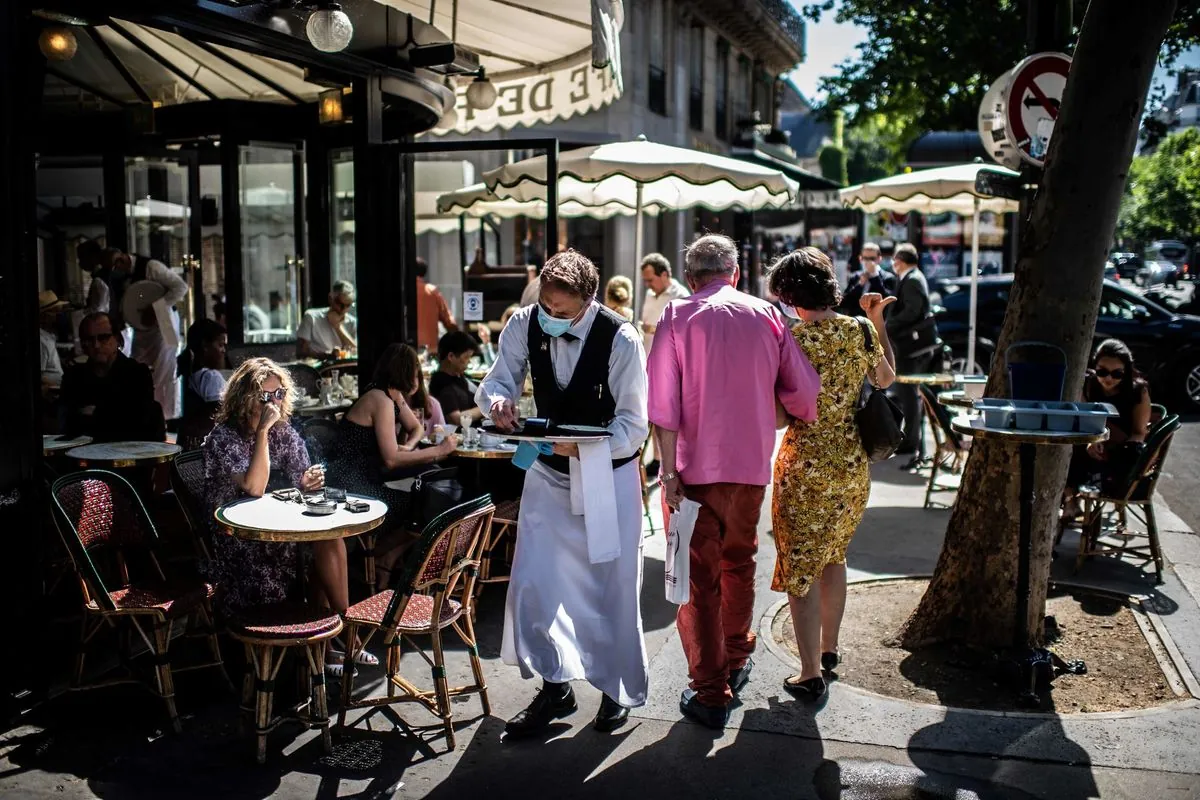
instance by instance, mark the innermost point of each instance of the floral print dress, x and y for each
(822, 474)
(249, 573)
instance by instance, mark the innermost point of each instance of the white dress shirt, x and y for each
(654, 304)
(626, 374)
(52, 370)
(316, 330)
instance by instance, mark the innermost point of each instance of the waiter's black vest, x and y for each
(587, 399)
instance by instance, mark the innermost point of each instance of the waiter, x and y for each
(572, 613)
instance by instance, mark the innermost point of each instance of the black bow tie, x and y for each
(570, 337)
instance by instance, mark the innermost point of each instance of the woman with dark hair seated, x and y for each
(1112, 378)
(822, 474)
(370, 451)
(200, 367)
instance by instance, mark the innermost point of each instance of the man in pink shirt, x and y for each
(720, 360)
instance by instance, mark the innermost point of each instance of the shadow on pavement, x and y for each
(897, 540)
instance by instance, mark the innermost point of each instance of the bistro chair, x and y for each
(499, 540)
(1129, 495)
(320, 438)
(950, 448)
(305, 377)
(268, 632)
(187, 482)
(98, 513)
(348, 366)
(448, 552)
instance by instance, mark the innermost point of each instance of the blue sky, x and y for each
(830, 43)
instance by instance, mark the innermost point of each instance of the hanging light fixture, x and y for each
(329, 107)
(449, 119)
(58, 44)
(481, 94)
(329, 29)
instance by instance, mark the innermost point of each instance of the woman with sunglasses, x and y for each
(1112, 378)
(252, 439)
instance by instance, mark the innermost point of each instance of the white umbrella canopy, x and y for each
(639, 174)
(479, 201)
(937, 191)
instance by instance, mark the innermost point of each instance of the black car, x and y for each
(1127, 264)
(1165, 345)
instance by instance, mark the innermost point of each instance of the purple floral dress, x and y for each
(249, 573)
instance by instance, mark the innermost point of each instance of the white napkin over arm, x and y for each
(594, 497)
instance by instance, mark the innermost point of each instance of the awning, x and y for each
(548, 59)
(122, 63)
(815, 191)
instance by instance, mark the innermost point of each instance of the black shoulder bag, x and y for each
(880, 421)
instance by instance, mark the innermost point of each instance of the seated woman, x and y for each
(252, 437)
(370, 450)
(1113, 378)
(425, 407)
(200, 367)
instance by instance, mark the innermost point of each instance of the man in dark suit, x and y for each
(913, 332)
(871, 278)
(110, 397)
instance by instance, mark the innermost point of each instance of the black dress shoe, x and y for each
(553, 701)
(740, 677)
(714, 717)
(829, 661)
(611, 715)
(809, 691)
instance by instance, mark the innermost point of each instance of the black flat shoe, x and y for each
(553, 701)
(829, 662)
(809, 691)
(709, 716)
(740, 677)
(611, 715)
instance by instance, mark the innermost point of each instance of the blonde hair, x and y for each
(241, 403)
(619, 291)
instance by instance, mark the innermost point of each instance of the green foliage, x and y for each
(874, 149)
(1162, 195)
(833, 163)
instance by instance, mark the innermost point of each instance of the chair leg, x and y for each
(368, 543)
(933, 472)
(266, 667)
(162, 668)
(351, 634)
(472, 643)
(209, 619)
(1155, 547)
(1092, 514)
(441, 686)
(81, 652)
(319, 715)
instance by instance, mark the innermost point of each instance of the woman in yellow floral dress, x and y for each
(822, 474)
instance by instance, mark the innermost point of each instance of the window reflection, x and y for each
(271, 266)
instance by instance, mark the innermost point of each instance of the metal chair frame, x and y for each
(949, 454)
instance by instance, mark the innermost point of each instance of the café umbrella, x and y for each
(936, 191)
(478, 201)
(640, 174)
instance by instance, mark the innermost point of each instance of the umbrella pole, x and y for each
(970, 368)
(637, 254)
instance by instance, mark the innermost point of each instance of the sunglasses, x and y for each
(99, 338)
(1101, 372)
(278, 394)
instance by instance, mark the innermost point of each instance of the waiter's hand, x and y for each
(673, 492)
(568, 449)
(504, 415)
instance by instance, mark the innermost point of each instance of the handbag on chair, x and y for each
(880, 421)
(434, 492)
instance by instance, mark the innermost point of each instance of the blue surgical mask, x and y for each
(789, 311)
(553, 326)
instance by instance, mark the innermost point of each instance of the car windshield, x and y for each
(1117, 304)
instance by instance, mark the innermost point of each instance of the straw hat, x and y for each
(48, 301)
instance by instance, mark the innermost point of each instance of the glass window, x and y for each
(696, 78)
(156, 209)
(212, 238)
(70, 209)
(270, 249)
(341, 237)
(1115, 304)
(656, 34)
(722, 104)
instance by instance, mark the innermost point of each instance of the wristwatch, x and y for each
(670, 476)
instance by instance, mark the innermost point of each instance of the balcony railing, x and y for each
(788, 18)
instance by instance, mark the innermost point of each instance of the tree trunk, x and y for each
(1055, 298)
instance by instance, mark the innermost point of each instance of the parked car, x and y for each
(1111, 273)
(1171, 251)
(1127, 264)
(1165, 345)
(1154, 273)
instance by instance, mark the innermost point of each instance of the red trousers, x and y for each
(715, 623)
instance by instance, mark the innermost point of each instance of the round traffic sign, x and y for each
(1035, 94)
(993, 132)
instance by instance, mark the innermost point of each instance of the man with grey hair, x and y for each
(572, 610)
(326, 330)
(722, 359)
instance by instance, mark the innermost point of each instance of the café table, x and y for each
(268, 519)
(320, 409)
(1029, 442)
(927, 378)
(482, 455)
(53, 444)
(956, 399)
(123, 454)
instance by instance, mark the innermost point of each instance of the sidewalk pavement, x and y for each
(859, 745)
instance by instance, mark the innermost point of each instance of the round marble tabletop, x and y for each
(494, 451)
(53, 443)
(974, 427)
(123, 454)
(928, 378)
(267, 519)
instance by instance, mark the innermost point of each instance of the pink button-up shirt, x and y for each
(720, 359)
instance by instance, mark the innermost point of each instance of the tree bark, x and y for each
(1055, 298)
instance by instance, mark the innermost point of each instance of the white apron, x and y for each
(567, 619)
(150, 349)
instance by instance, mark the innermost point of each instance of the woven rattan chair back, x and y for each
(1145, 470)
(304, 377)
(449, 545)
(97, 510)
(320, 438)
(187, 481)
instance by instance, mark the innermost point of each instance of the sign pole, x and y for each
(970, 368)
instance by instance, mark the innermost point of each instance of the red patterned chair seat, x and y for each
(286, 621)
(170, 598)
(417, 615)
(507, 511)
